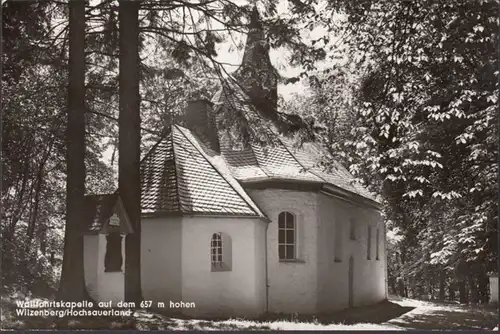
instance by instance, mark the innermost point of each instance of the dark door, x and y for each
(351, 282)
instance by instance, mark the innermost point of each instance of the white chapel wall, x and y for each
(292, 285)
(369, 275)
(237, 292)
(111, 285)
(90, 260)
(161, 240)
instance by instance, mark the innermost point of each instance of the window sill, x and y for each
(221, 268)
(337, 260)
(292, 261)
(113, 271)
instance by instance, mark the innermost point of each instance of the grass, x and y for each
(396, 314)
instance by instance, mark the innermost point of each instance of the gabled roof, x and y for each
(276, 157)
(177, 176)
(98, 211)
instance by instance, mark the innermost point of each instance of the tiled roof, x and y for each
(98, 211)
(279, 158)
(178, 177)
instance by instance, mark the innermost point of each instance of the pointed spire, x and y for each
(257, 75)
(256, 45)
(255, 19)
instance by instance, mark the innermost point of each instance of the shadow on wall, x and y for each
(373, 314)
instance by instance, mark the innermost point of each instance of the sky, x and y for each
(230, 54)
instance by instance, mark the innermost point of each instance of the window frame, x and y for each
(286, 243)
(377, 244)
(216, 251)
(220, 252)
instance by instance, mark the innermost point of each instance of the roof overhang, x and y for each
(337, 192)
(199, 214)
(281, 183)
(305, 185)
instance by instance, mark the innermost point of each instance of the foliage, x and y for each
(409, 104)
(179, 49)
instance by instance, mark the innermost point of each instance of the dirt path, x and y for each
(435, 315)
(395, 314)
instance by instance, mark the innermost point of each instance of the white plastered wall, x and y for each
(292, 285)
(369, 275)
(237, 292)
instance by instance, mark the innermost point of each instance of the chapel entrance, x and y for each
(351, 282)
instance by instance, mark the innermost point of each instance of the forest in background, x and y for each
(403, 93)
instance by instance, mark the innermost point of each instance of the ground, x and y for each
(394, 314)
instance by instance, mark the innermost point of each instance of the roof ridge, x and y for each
(225, 95)
(155, 145)
(218, 172)
(251, 107)
(178, 195)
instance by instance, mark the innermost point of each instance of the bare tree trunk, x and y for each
(442, 277)
(72, 285)
(129, 143)
(473, 289)
(483, 288)
(451, 292)
(462, 291)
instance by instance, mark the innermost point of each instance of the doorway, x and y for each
(351, 281)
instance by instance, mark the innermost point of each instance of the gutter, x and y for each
(267, 271)
(209, 215)
(351, 201)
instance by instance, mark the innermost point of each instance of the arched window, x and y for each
(220, 251)
(287, 228)
(216, 250)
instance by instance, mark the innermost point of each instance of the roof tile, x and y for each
(177, 177)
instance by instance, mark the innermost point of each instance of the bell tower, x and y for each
(256, 75)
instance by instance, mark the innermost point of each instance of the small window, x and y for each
(286, 236)
(352, 229)
(369, 243)
(377, 244)
(338, 241)
(216, 250)
(113, 259)
(220, 252)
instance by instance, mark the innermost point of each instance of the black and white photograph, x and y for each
(237, 165)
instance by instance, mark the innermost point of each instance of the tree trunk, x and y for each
(483, 288)
(72, 284)
(451, 292)
(473, 289)
(442, 277)
(129, 143)
(463, 292)
(401, 286)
